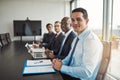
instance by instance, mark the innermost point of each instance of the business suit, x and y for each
(47, 38)
(56, 42)
(67, 45)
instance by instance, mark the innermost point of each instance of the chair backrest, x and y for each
(105, 60)
(3, 39)
(8, 37)
(0, 44)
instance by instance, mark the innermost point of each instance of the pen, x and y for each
(38, 62)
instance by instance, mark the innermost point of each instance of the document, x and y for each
(42, 62)
(38, 67)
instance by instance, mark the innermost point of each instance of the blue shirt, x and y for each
(86, 58)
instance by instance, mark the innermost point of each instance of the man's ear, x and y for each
(87, 20)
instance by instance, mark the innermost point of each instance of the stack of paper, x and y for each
(38, 67)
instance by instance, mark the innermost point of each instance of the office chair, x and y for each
(0, 44)
(105, 60)
(3, 39)
(8, 37)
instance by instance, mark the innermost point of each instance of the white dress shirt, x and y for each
(86, 58)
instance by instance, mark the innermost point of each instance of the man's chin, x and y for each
(75, 30)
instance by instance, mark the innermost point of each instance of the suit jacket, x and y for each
(47, 38)
(67, 45)
(55, 44)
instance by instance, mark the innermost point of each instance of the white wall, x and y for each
(45, 10)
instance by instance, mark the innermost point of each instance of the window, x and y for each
(115, 38)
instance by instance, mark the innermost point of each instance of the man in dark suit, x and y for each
(56, 42)
(69, 36)
(47, 37)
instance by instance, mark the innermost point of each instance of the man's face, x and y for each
(78, 22)
(57, 27)
(49, 28)
(65, 25)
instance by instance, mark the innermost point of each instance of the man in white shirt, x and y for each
(84, 59)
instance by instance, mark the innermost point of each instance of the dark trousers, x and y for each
(67, 77)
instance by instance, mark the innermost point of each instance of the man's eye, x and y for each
(73, 20)
(78, 19)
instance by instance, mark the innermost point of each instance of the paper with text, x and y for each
(41, 62)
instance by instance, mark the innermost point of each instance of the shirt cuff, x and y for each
(64, 69)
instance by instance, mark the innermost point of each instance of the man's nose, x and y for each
(75, 22)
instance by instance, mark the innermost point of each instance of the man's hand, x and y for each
(36, 45)
(57, 64)
(49, 53)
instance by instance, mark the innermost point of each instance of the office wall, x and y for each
(45, 10)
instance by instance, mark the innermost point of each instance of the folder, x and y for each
(38, 67)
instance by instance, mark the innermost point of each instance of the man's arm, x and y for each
(91, 59)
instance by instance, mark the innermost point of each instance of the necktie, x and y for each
(72, 52)
(56, 36)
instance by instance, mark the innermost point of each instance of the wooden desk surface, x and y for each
(12, 59)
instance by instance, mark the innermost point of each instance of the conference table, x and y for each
(12, 58)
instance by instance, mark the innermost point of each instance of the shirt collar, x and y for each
(66, 34)
(84, 33)
(58, 33)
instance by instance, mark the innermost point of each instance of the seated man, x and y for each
(66, 44)
(56, 42)
(84, 58)
(47, 37)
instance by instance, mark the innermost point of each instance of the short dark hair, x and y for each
(57, 22)
(82, 10)
(48, 25)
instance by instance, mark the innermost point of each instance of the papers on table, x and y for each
(42, 62)
(38, 67)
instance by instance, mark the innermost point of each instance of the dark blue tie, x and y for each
(73, 51)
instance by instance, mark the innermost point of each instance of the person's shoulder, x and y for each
(73, 33)
(45, 33)
(62, 34)
(52, 33)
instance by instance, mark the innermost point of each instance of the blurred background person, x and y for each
(47, 37)
(56, 41)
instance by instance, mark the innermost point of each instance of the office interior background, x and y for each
(103, 20)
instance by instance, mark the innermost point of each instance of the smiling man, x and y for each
(85, 56)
